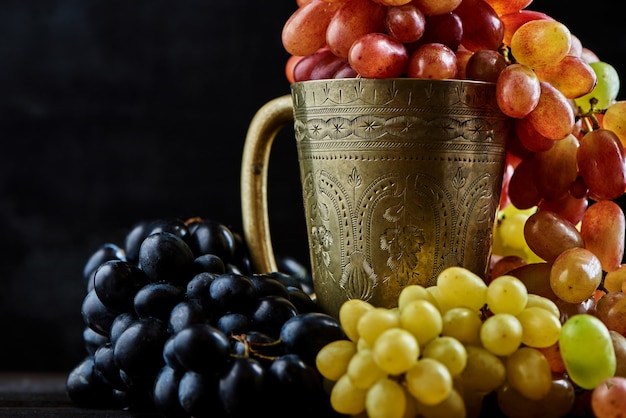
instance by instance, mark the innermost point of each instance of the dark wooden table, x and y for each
(43, 395)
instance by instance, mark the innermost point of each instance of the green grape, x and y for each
(373, 322)
(332, 359)
(452, 407)
(349, 314)
(440, 303)
(484, 371)
(429, 381)
(363, 370)
(422, 319)
(449, 351)
(528, 372)
(587, 350)
(501, 334)
(506, 294)
(396, 350)
(414, 292)
(385, 399)
(540, 327)
(461, 287)
(346, 398)
(606, 89)
(463, 324)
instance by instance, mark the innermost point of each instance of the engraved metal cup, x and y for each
(401, 178)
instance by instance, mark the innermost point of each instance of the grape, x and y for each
(556, 404)
(462, 324)
(575, 274)
(572, 76)
(422, 319)
(536, 277)
(413, 292)
(603, 229)
(385, 399)
(619, 346)
(452, 407)
(165, 392)
(528, 372)
(377, 55)
(606, 181)
(611, 310)
(530, 139)
(350, 313)
(501, 334)
(395, 350)
(374, 322)
(540, 327)
(302, 70)
(207, 236)
(231, 292)
(432, 60)
(406, 23)
(614, 279)
(609, 397)
(555, 169)
(363, 370)
(508, 6)
(512, 21)
(540, 43)
(157, 300)
(437, 7)
(352, 21)
(587, 350)
(346, 398)
(86, 388)
(105, 252)
(198, 396)
(518, 90)
(548, 235)
(332, 360)
(482, 28)
(523, 191)
(96, 315)
(485, 65)
(569, 207)
(445, 28)
(506, 294)
(614, 119)
(429, 381)
(461, 287)
(305, 30)
(484, 372)
(164, 256)
(241, 388)
(605, 90)
(449, 351)
(543, 303)
(553, 117)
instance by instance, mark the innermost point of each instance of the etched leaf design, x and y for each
(458, 181)
(394, 213)
(354, 178)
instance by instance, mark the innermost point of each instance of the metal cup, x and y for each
(401, 178)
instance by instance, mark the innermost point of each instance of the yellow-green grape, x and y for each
(349, 314)
(361, 345)
(346, 398)
(448, 351)
(414, 292)
(543, 303)
(363, 370)
(587, 350)
(411, 410)
(461, 287)
(429, 381)
(541, 43)
(615, 120)
(463, 324)
(422, 319)
(396, 350)
(606, 88)
(385, 399)
(435, 293)
(332, 359)
(508, 235)
(452, 407)
(528, 372)
(540, 327)
(484, 371)
(506, 294)
(373, 322)
(501, 334)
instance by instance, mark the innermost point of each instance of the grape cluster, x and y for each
(446, 348)
(177, 325)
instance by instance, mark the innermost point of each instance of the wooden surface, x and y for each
(43, 395)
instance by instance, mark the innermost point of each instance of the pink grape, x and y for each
(556, 168)
(377, 55)
(327, 67)
(302, 69)
(512, 21)
(530, 138)
(445, 29)
(603, 229)
(437, 7)
(601, 164)
(502, 7)
(305, 30)
(482, 28)
(485, 65)
(353, 20)
(569, 207)
(553, 117)
(434, 61)
(406, 23)
(548, 235)
(522, 189)
(518, 90)
(571, 76)
(575, 275)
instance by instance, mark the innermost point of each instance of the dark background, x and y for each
(116, 111)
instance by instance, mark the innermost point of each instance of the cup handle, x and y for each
(265, 124)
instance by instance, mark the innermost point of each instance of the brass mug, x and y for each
(401, 178)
